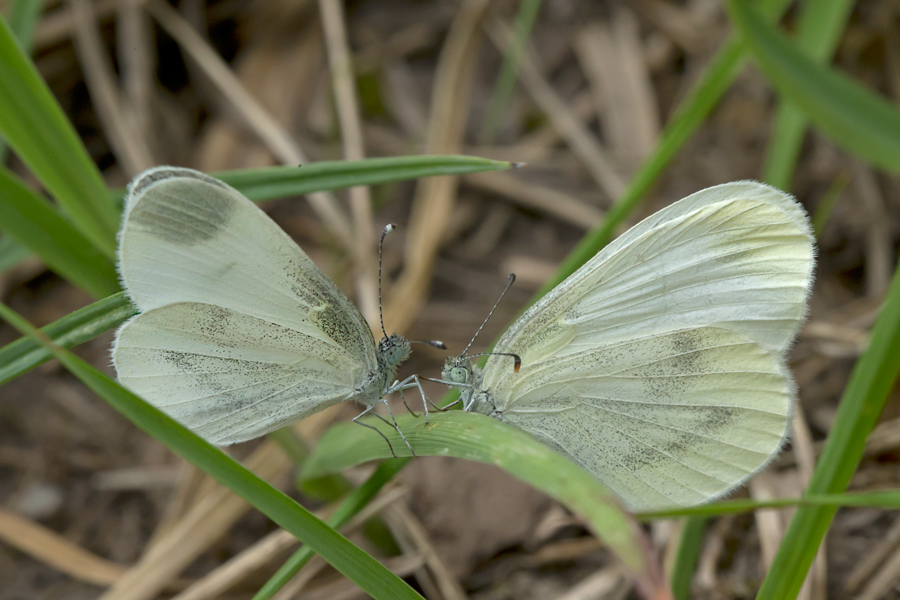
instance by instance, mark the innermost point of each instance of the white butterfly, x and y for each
(239, 333)
(659, 366)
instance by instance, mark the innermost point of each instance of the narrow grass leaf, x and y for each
(23, 16)
(370, 575)
(24, 354)
(477, 437)
(356, 501)
(820, 28)
(686, 556)
(506, 81)
(871, 381)
(851, 115)
(889, 499)
(34, 223)
(826, 205)
(36, 128)
(279, 182)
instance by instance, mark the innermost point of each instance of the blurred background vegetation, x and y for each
(618, 108)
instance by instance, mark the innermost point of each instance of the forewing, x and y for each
(230, 376)
(737, 256)
(187, 237)
(672, 419)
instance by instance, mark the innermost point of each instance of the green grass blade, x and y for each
(35, 224)
(870, 383)
(829, 200)
(821, 25)
(36, 128)
(686, 556)
(477, 437)
(506, 82)
(888, 499)
(851, 115)
(12, 253)
(362, 569)
(24, 354)
(692, 111)
(278, 182)
(355, 502)
(23, 17)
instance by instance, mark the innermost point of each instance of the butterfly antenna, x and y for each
(512, 278)
(387, 229)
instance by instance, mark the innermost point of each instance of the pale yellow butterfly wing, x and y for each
(736, 259)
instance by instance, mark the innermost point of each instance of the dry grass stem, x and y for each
(254, 114)
(137, 65)
(59, 25)
(583, 143)
(887, 546)
(606, 584)
(56, 551)
(434, 197)
(344, 85)
(878, 239)
(344, 589)
(535, 196)
(235, 570)
(883, 580)
(205, 523)
(123, 134)
(409, 533)
(612, 58)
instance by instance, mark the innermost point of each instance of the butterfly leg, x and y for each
(399, 388)
(405, 385)
(378, 431)
(396, 427)
(451, 384)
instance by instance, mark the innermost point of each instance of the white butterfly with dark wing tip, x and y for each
(239, 332)
(660, 365)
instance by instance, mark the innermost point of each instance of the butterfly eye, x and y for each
(459, 375)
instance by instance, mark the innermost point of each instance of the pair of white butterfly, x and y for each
(659, 366)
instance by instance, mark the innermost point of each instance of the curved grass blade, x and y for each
(477, 437)
(36, 128)
(34, 223)
(851, 115)
(820, 28)
(362, 569)
(24, 354)
(278, 182)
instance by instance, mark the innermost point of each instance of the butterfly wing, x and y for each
(187, 237)
(677, 418)
(229, 376)
(735, 258)
(192, 247)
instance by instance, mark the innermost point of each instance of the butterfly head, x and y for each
(457, 370)
(393, 350)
